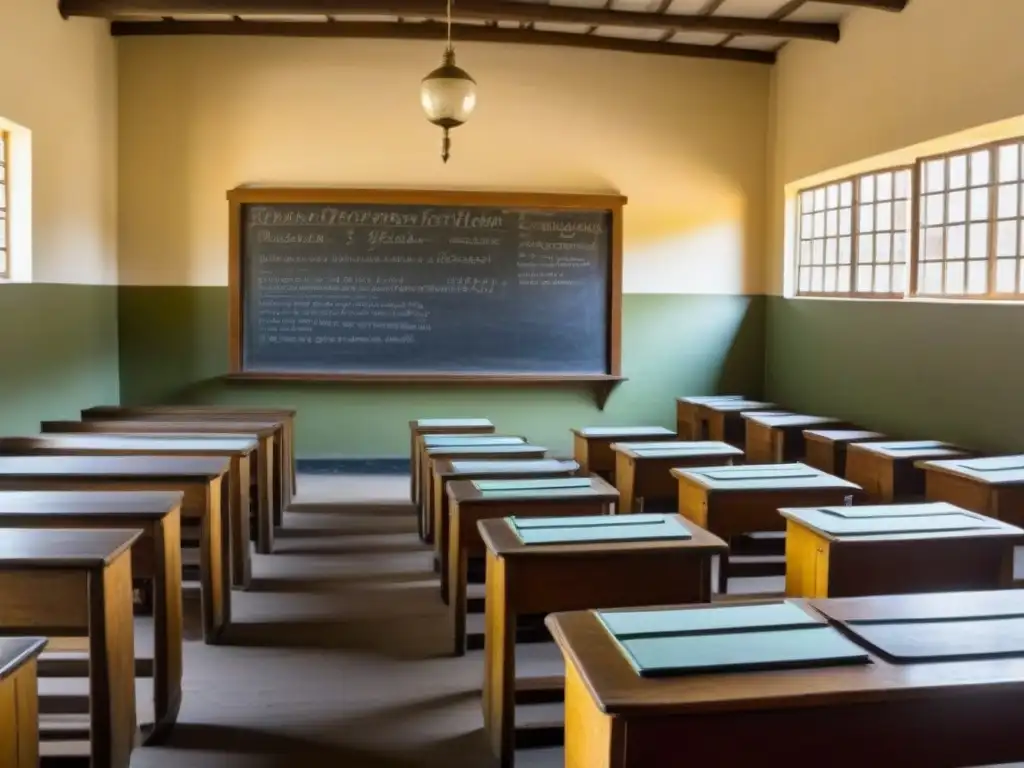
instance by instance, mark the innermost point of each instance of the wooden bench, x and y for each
(566, 575)
(239, 451)
(732, 501)
(446, 470)
(722, 420)
(592, 446)
(826, 449)
(155, 556)
(200, 480)
(267, 484)
(19, 702)
(420, 427)
(886, 471)
(777, 438)
(991, 486)
(221, 412)
(917, 713)
(465, 447)
(895, 549)
(468, 504)
(78, 584)
(643, 471)
(689, 424)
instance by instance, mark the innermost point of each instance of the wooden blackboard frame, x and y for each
(601, 384)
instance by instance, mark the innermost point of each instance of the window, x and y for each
(969, 236)
(853, 236)
(5, 219)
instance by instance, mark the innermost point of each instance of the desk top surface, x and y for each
(112, 443)
(472, 468)
(994, 470)
(737, 406)
(425, 425)
(114, 504)
(51, 548)
(680, 450)
(617, 689)
(436, 441)
(463, 491)
(197, 426)
(899, 522)
(613, 432)
(763, 477)
(911, 449)
(842, 435)
(119, 467)
(500, 538)
(513, 449)
(16, 651)
(707, 399)
(789, 420)
(210, 410)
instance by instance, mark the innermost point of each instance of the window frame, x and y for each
(855, 181)
(5, 207)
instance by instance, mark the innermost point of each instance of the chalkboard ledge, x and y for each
(599, 384)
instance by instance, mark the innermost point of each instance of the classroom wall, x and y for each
(932, 369)
(58, 334)
(683, 139)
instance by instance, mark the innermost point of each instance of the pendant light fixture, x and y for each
(448, 94)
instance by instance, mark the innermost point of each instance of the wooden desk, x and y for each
(200, 480)
(155, 556)
(267, 483)
(465, 447)
(778, 438)
(722, 420)
(927, 715)
(240, 452)
(643, 471)
(895, 549)
(886, 471)
(592, 446)
(826, 448)
(468, 506)
(730, 501)
(76, 584)
(526, 579)
(991, 486)
(220, 412)
(19, 701)
(689, 424)
(420, 427)
(446, 470)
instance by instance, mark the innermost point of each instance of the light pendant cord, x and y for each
(449, 25)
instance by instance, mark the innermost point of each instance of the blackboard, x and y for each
(336, 283)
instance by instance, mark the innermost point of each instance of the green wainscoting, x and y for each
(58, 352)
(173, 343)
(912, 369)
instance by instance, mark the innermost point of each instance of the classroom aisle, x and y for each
(336, 660)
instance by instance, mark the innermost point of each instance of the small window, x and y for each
(5, 218)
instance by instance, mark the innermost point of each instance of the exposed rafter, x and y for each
(432, 31)
(878, 5)
(486, 10)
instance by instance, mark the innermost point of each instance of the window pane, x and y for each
(846, 194)
(845, 247)
(805, 252)
(867, 189)
(831, 223)
(955, 277)
(806, 225)
(807, 202)
(899, 215)
(1020, 285)
(899, 247)
(830, 251)
(832, 196)
(1006, 238)
(883, 247)
(805, 280)
(899, 278)
(882, 280)
(934, 175)
(956, 246)
(864, 279)
(957, 172)
(819, 224)
(830, 279)
(1007, 201)
(933, 210)
(816, 279)
(902, 184)
(977, 277)
(845, 221)
(865, 249)
(957, 206)
(843, 285)
(979, 168)
(883, 216)
(3, 260)
(932, 280)
(818, 252)
(819, 200)
(979, 204)
(933, 241)
(883, 186)
(1009, 163)
(867, 218)
(978, 241)
(1006, 275)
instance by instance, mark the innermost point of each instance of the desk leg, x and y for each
(238, 505)
(625, 482)
(458, 565)
(113, 726)
(442, 536)
(723, 573)
(167, 629)
(264, 510)
(499, 665)
(280, 473)
(214, 576)
(19, 718)
(426, 489)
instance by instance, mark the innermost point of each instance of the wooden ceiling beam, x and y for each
(432, 31)
(878, 5)
(485, 10)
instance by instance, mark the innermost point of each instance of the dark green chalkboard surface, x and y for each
(438, 287)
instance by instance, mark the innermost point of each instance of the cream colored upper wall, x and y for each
(59, 80)
(683, 139)
(895, 80)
